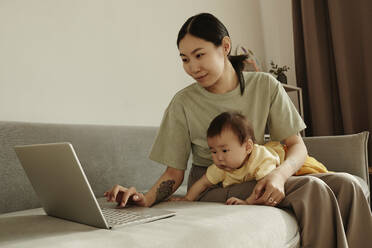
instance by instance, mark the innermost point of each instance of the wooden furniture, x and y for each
(370, 185)
(298, 90)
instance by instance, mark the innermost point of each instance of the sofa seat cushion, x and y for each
(196, 224)
(232, 226)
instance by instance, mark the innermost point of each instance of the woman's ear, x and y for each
(249, 146)
(226, 45)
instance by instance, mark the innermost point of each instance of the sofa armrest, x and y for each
(342, 153)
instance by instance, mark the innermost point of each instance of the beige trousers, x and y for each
(330, 208)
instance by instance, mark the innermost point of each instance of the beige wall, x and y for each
(278, 34)
(115, 62)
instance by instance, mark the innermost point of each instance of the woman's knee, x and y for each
(306, 182)
(318, 184)
(303, 190)
(343, 181)
(346, 177)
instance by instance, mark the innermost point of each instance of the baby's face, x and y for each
(227, 152)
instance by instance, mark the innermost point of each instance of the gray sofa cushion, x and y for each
(119, 155)
(342, 153)
(109, 155)
(196, 224)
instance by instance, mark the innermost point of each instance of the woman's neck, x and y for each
(227, 82)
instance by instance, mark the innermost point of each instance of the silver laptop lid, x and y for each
(58, 179)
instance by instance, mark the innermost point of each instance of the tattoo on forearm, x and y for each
(165, 189)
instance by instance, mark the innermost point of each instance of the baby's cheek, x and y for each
(214, 159)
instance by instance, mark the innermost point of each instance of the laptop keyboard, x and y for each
(121, 216)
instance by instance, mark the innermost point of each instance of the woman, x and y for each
(204, 46)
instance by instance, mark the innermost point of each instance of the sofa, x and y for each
(119, 155)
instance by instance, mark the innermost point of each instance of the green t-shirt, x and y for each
(187, 118)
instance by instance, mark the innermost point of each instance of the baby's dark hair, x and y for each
(234, 121)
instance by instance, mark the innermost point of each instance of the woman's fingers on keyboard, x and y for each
(122, 195)
(126, 194)
(113, 194)
(137, 197)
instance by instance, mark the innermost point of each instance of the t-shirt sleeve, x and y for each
(172, 144)
(214, 174)
(284, 119)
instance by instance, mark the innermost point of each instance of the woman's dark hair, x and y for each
(207, 27)
(234, 121)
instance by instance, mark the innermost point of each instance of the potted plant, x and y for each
(279, 72)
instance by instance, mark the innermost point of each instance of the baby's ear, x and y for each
(249, 145)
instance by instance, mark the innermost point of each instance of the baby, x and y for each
(237, 158)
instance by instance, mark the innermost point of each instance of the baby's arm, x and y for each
(196, 189)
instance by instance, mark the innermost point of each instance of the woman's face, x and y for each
(202, 60)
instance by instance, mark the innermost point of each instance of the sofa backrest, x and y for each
(119, 155)
(108, 154)
(341, 153)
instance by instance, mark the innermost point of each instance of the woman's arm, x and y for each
(295, 156)
(165, 186)
(270, 190)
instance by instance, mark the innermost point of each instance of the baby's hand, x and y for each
(235, 201)
(178, 199)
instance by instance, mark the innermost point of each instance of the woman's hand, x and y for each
(122, 196)
(269, 190)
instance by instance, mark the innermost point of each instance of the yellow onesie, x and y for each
(262, 160)
(311, 165)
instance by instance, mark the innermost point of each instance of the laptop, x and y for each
(59, 181)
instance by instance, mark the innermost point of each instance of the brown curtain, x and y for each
(333, 54)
